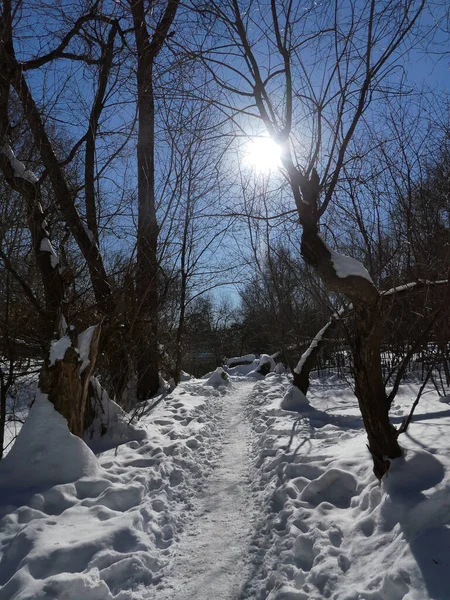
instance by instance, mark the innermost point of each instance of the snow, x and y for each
(315, 342)
(332, 531)
(294, 399)
(346, 266)
(34, 463)
(218, 378)
(58, 349)
(238, 360)
(411, 285)
(111, 426)
(18, 167)
(46, 246)
(107, 533)
(84, 346)
(266, 359)
(223, 494)
(210, 561)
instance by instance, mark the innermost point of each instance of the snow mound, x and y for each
(185, 376)
(295, 400)
(267, 360)
(280, 369)
(45, 452)
(243, 370)
(111, 426)
(219, 377)
(335, 486)
(415, 472)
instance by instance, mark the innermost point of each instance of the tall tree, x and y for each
(327, 65)
(149, 43)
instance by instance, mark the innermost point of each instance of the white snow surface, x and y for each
(345, 266)
(246, 358)
(58, 348)
(111, 426)
(33, 463)
(107, 535)
(218, 378)
(211, 560)
(84, 346)
(294, 399)
(229, 497)
(267, 359)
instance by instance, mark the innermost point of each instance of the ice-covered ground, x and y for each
(229, 497)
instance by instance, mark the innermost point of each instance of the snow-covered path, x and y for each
(210, 560)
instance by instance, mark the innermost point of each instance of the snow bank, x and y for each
(329, 530)
(111, 426)
(265, 359)
(40, 460)
(107, 534)
(243, 370)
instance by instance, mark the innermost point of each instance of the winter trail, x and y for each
(210, 561)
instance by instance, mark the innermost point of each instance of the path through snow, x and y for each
(210, 560)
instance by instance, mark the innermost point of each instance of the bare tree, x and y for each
(327, 65)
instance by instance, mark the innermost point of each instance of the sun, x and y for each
(262, 154)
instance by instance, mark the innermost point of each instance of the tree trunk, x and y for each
(366, 300)
(146, 327)
(369, 387)
(67, 385)
(147, 242)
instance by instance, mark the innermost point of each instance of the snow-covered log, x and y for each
(235, 361)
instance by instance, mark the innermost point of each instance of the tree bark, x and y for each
(67, 386)
(146, 326)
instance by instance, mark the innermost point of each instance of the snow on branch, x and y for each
(411, 285)
(46, 246)
(17, 166)
(345, 266)
(315, 342)
(319, 336)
